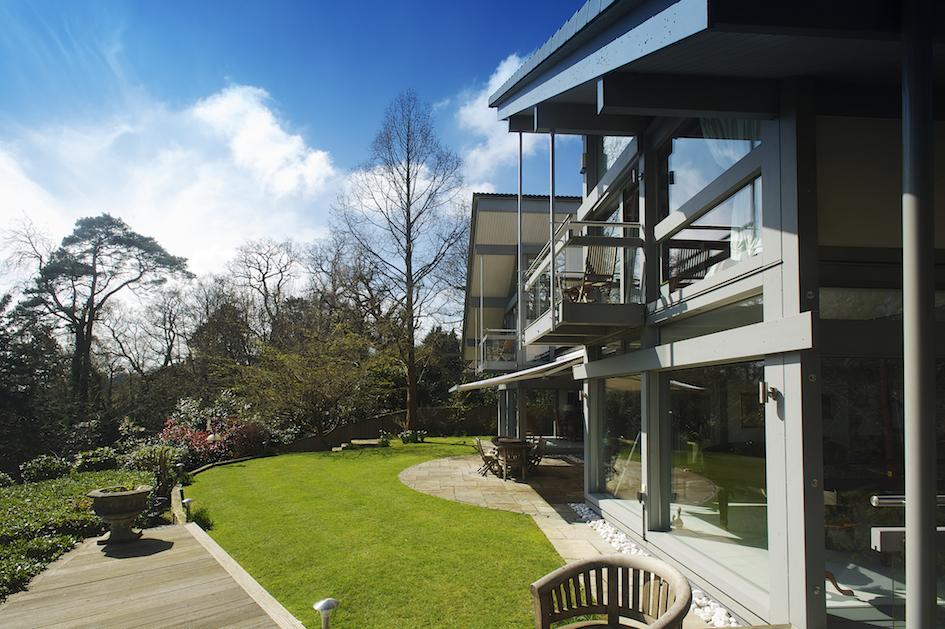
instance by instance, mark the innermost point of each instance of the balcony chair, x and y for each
(600, 265)
(640, 589)
(490, 461)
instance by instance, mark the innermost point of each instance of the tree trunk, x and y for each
(411, 417)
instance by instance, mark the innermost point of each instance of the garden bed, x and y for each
(41, 521)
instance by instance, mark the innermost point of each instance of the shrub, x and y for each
(161, 461)
(201, 516)
(39, 521)
(413, 436)
(6, 480)
(44, 467)
(384, 439)
(94, 460)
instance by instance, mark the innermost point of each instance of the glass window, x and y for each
(735, 315)
(862, 409)
(865, 304)
(723, 236)
(719, 504)
(611, 148)
(703, 150)
(622, 457)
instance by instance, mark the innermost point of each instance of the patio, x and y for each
(556, 481)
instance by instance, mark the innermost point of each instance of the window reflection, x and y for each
(622, 457)
(862, 409)
(724, 236)
(703, 150)
(611, 148)
(718, 475)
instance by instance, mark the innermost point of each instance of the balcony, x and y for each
(497, 351)
(596, 269)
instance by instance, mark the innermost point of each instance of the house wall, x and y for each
(859, 182)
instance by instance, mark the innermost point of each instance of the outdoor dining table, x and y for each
(514, 449)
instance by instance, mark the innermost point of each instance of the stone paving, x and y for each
(544, 495)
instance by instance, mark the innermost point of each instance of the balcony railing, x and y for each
(587, 263)
(497, 350)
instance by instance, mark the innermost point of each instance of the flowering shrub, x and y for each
(413, 436)
(231, 438)
(44, 467)
(384, 439)
(5, 480)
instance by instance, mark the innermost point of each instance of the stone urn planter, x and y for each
(119, 506)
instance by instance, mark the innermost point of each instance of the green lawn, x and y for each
(313, 525)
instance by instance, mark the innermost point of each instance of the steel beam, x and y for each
(918, 315)
(686, 96)
(580, 119)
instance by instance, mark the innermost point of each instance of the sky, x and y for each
(206, 124)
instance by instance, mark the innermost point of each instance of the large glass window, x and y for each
(863, 456)
(869, 304)
(723, 236)
(734, 315)
(701, 151)
(611, 147)
(719, 504)
(622, 457)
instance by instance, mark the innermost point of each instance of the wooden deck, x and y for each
(175, 576)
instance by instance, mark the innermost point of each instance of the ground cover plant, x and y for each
(40, 521)
(313, 525)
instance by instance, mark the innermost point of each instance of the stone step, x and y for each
(365, 443)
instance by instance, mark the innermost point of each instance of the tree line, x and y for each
(111, 328)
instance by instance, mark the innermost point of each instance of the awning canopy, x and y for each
(559, 364)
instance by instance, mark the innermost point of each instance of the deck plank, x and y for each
(175, 576)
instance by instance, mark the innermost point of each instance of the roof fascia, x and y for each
(648, 28)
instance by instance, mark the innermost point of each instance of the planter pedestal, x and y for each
(119, 509)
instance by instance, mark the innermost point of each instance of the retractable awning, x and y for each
(559, 364)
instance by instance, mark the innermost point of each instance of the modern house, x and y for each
(759, 391)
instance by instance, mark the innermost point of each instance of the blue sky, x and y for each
(203, 123)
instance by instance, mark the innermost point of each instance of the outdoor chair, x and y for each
(490, 461)
(537, 452)
(640, 589)
(599, 268)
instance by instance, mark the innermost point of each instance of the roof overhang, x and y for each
(561, 364)
(838, 41)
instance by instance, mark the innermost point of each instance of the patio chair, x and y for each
(641, 589)
(537, 452)
(490, 462)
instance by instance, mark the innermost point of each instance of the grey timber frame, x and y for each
(644, 68)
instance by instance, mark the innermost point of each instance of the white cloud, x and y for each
(258, 143)
(493, 147)
(201, 179)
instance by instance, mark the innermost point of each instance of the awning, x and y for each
(559, 364)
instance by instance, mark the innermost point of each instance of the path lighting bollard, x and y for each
(324, 608)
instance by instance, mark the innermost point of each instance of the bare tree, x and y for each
(266, 268)
(401, 210)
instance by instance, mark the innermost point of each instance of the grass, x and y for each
(308, 526)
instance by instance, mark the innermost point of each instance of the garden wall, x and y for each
(437, 421)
